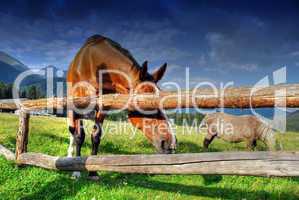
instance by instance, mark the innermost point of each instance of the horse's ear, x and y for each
(143, 71)
(158, 74)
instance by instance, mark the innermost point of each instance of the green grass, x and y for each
(50, 135)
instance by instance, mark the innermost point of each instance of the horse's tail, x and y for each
(267, 135)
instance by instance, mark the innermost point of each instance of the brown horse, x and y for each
(236, 129)
(122, 75)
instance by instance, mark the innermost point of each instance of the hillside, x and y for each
(10, 68)
(293, 121)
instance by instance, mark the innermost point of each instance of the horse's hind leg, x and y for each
(96, 140)
(251, 144)
(207, 141)
(254, 144)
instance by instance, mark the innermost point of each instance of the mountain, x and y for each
(293, 121)
(10, 68)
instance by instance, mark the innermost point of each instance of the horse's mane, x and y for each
(95, 39)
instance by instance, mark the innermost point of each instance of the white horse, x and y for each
(236, 129)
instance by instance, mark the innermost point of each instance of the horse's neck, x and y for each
(121, 61)
(131, 73)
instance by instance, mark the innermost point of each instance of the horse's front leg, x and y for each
(96, 140)
(70, 150)
(78, 135)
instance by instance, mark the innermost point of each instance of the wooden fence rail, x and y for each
(9, 155)
(239, 97)
(226, 163)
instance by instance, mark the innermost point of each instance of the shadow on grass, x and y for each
(62, 187)
(208, 179)
(190, 147)
(295, 179)
(200, 191)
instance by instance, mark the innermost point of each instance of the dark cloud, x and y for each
(218, 39)
(75, 9)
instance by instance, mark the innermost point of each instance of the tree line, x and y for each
(179, 118)
(29, 92)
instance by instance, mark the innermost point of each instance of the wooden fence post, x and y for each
(22, 134)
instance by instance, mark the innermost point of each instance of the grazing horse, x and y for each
(236, 129)
(122, 75)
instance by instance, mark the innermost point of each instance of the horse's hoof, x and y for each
(76, 175)
(93, 178)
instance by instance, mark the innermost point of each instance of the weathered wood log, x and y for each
(228, 163)
(9, 155)
(22, 134)
(239, 97)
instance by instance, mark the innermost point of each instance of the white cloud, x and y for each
(173, 68)
(294, 53)
(225, 56)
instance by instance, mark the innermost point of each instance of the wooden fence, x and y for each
(226, 163)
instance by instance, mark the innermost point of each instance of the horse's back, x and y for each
(97, 54)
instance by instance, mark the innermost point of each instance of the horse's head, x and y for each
(154, 124)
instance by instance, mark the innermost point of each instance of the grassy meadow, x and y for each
(50, 135)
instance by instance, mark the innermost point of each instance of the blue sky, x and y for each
(240, 41)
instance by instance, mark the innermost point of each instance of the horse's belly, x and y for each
(231, 138)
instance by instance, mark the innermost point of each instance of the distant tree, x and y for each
(2, 90)
(33, 92)
(8, 91)
(30, 92)
(181, 118)
(23, 93)
(5, 91)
